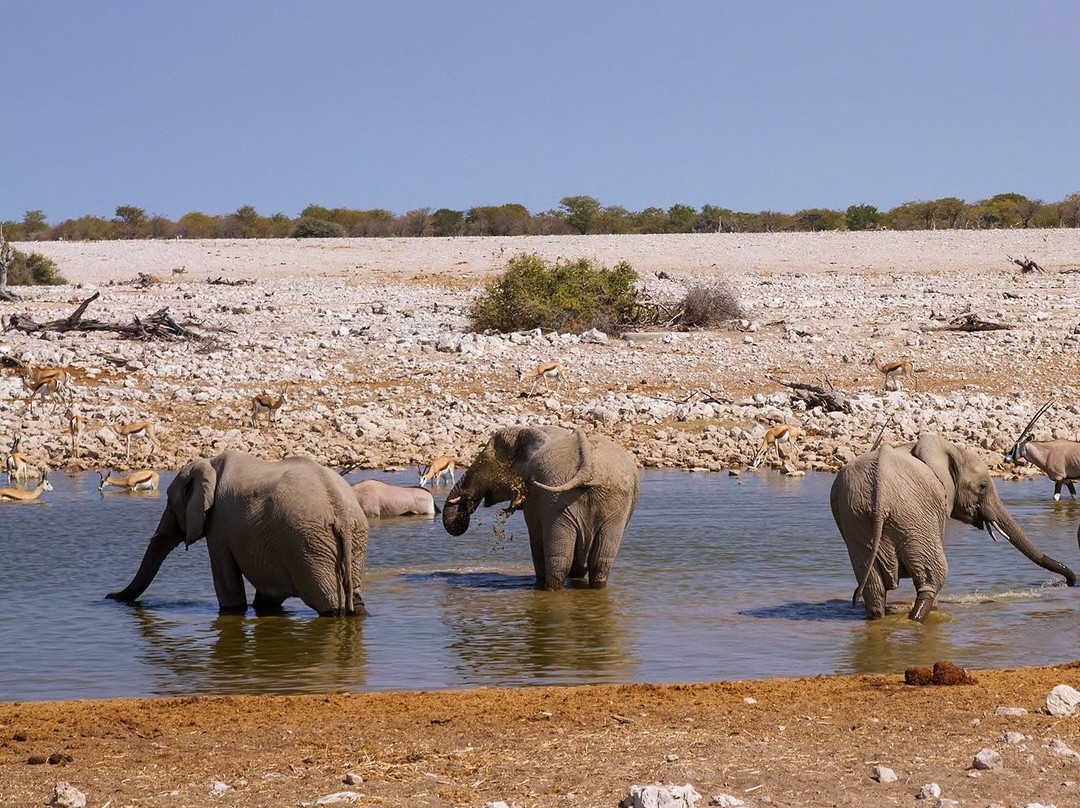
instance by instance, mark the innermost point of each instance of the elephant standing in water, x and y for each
(291, 527)
(577, 494)
(891, 506)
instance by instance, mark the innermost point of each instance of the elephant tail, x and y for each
(345, 553)
(875, 542)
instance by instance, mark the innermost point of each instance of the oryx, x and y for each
(1060, 459)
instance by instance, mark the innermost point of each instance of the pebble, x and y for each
(65, 795)
(883, 774)
(1010, 711)
(930, 791)
(1062, 700)
(987, 759)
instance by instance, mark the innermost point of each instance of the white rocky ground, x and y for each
(373, 336)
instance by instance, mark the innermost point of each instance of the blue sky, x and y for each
(753, 105)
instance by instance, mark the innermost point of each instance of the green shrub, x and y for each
(706, 306)
(310, 227)
(569, 296)
(34, 270)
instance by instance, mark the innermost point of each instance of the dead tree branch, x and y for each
(158, 326)
(1026, 264)
(831, 400)
(970, 322)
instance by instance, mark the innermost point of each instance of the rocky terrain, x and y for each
(371, 339)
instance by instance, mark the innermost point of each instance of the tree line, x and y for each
(574, 215)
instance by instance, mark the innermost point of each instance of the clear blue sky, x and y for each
(748, 104)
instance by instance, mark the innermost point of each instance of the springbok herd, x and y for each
(1058, 459)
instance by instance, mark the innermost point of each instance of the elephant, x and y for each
(891, 506)
(577, 494)
(291, 527)
(382, 499)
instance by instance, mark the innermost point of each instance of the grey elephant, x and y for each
(378, 499)
(290, 527)
(577, 494)
(891, 506)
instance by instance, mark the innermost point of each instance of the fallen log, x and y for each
(158, 325)
(970, 322)
(1026, 264)
(831, 400)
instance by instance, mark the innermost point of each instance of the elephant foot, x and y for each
(264, 604)
(924, 602)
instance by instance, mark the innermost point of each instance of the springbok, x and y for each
(16, 464)
(435, 470)
(136, 429)
(545, 371)
(774, 436)
(74, 427)
(898, 370)
(264, 402)
(1059, 459)
(141, 480)
(46, 382)
(21, 495)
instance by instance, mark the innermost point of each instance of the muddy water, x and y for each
(717, 578)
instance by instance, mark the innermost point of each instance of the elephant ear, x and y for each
(198, 498)
(582, 474)
(942, 459)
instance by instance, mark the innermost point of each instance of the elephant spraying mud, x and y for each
(891, 506)
(577, 494)
(290, 527)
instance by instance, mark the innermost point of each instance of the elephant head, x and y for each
(504, 470)
(189, 499)
(971, 497)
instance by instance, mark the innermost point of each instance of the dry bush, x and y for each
(710, 305)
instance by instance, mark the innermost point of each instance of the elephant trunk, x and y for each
(160, 546)
(456, 512)
(1005, 525)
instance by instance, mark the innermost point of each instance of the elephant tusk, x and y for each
(992, 526)
(453, 500)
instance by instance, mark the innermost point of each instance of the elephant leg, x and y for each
(602, 553)
(873, 596)
(558, 549)
(228, 580)
(929, 578)
(1071, 487)
(265, 604)
(536, 547)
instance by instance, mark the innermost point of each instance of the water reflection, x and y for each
(245, 654)
(530, 634)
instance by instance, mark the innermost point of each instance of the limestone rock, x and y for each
(65, 795)
(987, 759)
(883, 774)
(1062, 700)
(660, 796)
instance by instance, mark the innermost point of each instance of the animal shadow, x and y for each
(835, 609)
(478, 579)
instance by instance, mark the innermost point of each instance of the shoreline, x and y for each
(373, 336)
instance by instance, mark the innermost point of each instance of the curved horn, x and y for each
(584, 471)
(1036, 417)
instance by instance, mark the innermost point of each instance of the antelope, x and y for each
(141, 480)
(16, 463)
(74, 428)
(545, 371)
(264, 402)
(46, 382)
(774, 436)
(1059, 459)
(20, 495)
(436, 469)
(900, 369)
(136, 429)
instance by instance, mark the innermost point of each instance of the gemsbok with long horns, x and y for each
(1059, 459)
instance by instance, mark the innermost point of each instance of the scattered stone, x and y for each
(65, 795)
(883, 774)
(1062, 700)
(340, 796)
(727, 801)
(595, 336)
(987, 759)
(352, 779)
(219, 787)
(944, 803)
(1061, 748)
(660, 796)
(1010, 711)
(930, 791)
(1013, 738)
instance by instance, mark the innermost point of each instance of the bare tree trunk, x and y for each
(7, 258)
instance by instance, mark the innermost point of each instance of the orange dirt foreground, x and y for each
(788, 742)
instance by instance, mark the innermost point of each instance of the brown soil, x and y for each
(787, 742)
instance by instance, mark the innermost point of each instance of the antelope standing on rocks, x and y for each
(264, 402)
(896, 371)
(545, 371)
(136, 429)
(1059, 459)
(774, 436)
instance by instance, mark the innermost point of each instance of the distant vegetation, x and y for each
(575, 215)
(569, 296)
(33, 269)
